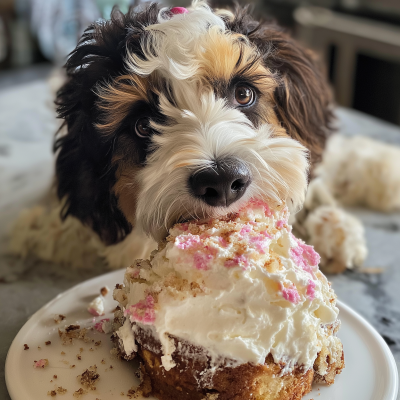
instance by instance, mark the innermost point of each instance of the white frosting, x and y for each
(241, 289)
(96, 307)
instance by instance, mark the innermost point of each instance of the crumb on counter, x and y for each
(103, 361)
(63, 353)
(55, 376)
(26, 347)
(48, 343)
(98, 343)
(79, 357)
(72, 366)
(44, 362)
(52, 393)
(61, 390)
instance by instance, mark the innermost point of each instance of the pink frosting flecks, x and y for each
(280, 224)
(185, 242)
(179, 10)
(135, 273)
(143, 311)
(245, 230)
(304, 255)
(44, 362)
(291, 294)
(94, 312)
(259, 242)
(99, 325)
(201, 261)
(263, 205)
(237, 261)
(311, 289)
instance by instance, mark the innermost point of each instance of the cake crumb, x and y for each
(48, 343)
(89, 378)
(73, 332)
(80, 392)
(44, 362)
(79, 357)
(122, 394)
(103, 361)
(104, 290)
(52, 393)
(63, 353)
(61, 390)
(111, 367)
(39, 347)
(55, 376)
(81, 350)
(60, 318)
(98, 343)
(72, 366)
(26, 347)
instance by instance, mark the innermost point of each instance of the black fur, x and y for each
(84, 170)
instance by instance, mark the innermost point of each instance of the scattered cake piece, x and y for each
(73, 332)
(52, 393)
(48, 343)
(96, 307)
(104, 291)
(26, 347)
(61, 390)
(44, 362)
(55, 376)
(79, 393)
(89, 378)
(59, 318)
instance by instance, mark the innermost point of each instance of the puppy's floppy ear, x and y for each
(84, 166)
(302, 98)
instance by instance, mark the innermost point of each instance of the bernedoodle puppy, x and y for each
(171, 114)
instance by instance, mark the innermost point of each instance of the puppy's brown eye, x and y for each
(244, 95)
(142, 128)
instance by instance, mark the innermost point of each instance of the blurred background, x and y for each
(359, 40)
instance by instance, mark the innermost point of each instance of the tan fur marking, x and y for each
(116, 100)
(126, 189)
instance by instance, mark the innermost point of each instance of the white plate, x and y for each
(370, 372)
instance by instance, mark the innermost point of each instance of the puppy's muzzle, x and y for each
(221, 184)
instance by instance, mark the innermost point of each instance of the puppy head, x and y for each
(171, 117)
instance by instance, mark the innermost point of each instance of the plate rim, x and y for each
(393, 376)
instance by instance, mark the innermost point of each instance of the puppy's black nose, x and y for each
(222, 184)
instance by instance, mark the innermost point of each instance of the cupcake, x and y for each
(231, 308)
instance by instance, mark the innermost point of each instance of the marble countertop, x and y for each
(27, 124)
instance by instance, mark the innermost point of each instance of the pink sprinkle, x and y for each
(311, 289)
(99, 325)
(187, 241)
(143, 311)
(304, 255)
(41, 363)
(259, 242)
(135, 273)
(201, 261)
(280, 224)
(179, 10)
(291, 294)
(263, 205)
(94, 312)
(237, 261)
(245, 230)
